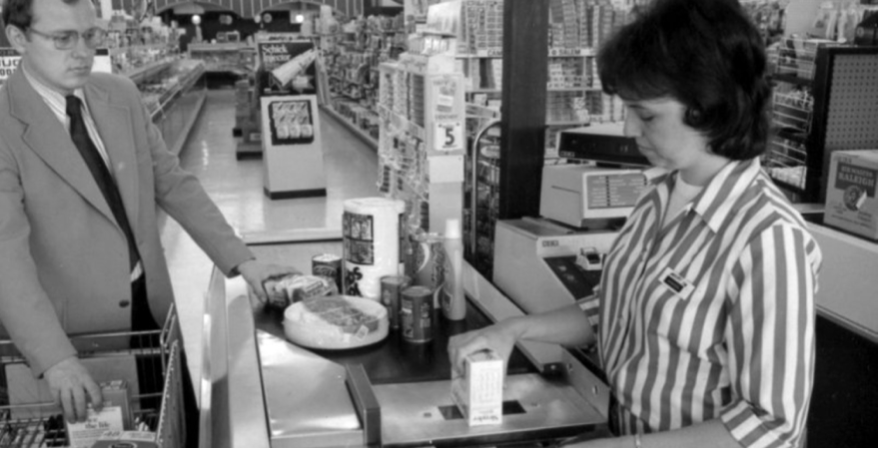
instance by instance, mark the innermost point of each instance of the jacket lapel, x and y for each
(113, 123)
(46, 136)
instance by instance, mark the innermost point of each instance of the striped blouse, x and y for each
(711, 316)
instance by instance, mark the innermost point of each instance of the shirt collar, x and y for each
(50, 95)
(717, 200)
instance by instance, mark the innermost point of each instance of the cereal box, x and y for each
(850, 194)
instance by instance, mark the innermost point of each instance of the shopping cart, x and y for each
(148, 361)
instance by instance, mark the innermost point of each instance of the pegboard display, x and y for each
(852, 122)
(835, 107)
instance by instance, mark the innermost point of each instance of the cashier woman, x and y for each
(704, 320)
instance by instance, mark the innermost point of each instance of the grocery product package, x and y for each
(371, 240)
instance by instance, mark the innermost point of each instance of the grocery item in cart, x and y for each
(336, 322)
(288, 289)
(126, 439)
(114, 415)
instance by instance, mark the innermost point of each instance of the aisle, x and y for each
(236, 187)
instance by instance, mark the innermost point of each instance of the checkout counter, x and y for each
(260, 390)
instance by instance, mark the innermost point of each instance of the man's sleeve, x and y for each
(181, 195)
(770, 338)
(26, 312)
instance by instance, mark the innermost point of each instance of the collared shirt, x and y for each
(712, 315)
(58, 104)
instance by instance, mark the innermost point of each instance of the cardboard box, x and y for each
(115, 415)
(850, 194)
(479, 391)
(126, 439)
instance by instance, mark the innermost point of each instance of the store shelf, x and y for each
(365, 137)
(149, 70)
(402, 123)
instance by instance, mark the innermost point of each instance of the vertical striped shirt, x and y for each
(712, 315)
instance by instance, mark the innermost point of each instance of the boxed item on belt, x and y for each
(850, 194)
(478, 392)
(126, 439)
(285, 290)
(114, 415)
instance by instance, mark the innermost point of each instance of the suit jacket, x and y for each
(63, 258)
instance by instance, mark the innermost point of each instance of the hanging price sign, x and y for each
(448, 136)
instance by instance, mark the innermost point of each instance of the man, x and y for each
(82, 170)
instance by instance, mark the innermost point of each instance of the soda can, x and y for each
(391, 291)
(416, 314)
(327, 266)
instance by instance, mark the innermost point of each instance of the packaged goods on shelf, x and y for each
(225, 57)
(851, 201)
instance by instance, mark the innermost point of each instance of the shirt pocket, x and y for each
(682, 321)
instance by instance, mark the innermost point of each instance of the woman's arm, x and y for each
(567, 326)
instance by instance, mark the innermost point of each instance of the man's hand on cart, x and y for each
(256, 272)
(500, 338)
(70, 383)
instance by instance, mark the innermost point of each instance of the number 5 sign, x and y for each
(448, 136)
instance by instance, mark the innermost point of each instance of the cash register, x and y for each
(551, 261)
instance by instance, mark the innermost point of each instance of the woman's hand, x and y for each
(499, 338)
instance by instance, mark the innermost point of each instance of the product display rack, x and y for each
(422, 143)
(825, 99)
(351, 62)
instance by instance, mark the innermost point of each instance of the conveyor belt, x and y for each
(394, 360)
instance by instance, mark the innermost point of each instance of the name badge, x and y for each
(676, 283)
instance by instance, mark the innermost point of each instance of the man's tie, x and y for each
(100, 172)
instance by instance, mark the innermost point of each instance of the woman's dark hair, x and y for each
(20, 12)
(707, 55)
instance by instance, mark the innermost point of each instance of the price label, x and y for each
(448, 136)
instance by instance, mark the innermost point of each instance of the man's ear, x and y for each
(17, 38)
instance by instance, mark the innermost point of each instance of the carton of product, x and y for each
(478, 392)
(126, 439)
(851, 203)
(114, 415)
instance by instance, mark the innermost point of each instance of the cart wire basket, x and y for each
(149, 361)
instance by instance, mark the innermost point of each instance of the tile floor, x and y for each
(237, 188)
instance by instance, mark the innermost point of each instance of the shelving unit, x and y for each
(238, 58)
(826, 99)
(422, 143)
(351, 62)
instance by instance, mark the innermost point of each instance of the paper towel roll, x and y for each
(370, 228)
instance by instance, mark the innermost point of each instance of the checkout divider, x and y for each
(259, 390)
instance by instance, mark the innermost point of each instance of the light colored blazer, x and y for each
(63, 258)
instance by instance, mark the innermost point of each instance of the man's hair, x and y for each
(20, 12)
(706, 54)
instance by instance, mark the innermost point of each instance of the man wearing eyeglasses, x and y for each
(82, 169)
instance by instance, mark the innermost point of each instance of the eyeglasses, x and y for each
(66, 40)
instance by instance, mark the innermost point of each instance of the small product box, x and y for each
(850, 194)
(126, 439)
(478, 392)
(115, 415)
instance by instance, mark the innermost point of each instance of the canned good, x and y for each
(416, 314)
(327, 266)
(391, 291)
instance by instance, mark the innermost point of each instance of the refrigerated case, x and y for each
(173, 91)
